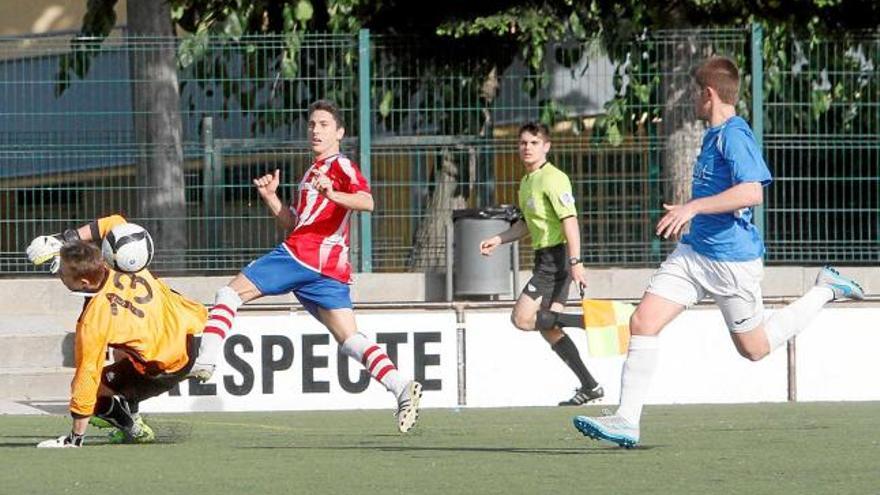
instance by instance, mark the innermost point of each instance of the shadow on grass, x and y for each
(33, 440)
(166, 434)
(89, 443)
(16, 445)
(602, 450)
(769, 428)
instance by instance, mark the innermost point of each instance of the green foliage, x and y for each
(639, 56)
(837, 80)
(504, 30)
(99, 20)
(532, 27)
(385, 104)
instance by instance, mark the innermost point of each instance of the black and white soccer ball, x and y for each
(128, 247)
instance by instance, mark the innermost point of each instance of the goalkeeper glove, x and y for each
(72, 440)
(48, 247)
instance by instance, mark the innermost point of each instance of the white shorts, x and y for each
(686, 277)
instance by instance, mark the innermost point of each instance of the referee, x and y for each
(551, 219)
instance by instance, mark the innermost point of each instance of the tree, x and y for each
(531, 29)
(626, 30)
(650, 85)
(156, 111)
(503, 29)
(157, 125)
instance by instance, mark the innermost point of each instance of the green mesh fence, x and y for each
(69, 156)
(440, 138)
(822, 138)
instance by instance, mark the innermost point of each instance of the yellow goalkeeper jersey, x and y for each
(138, 314)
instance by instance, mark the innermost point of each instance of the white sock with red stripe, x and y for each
(375, 361)
(219, 323)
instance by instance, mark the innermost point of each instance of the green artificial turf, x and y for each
(764, 448)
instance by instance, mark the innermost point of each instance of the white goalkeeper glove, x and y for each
(48, 247)
(69, 441)
(43, 249)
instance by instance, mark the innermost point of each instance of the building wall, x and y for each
(43, 16)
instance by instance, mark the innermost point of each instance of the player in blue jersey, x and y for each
(721, 256)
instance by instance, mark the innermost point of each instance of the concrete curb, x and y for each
(8, 407)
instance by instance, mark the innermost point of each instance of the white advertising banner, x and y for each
(837, 356)
(698, 364)
(509, 367)
(291, 362)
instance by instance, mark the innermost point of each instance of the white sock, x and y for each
(375, 360)
(220, 318)
(788, 321)
(635, 381)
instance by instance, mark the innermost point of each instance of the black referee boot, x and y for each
(583, 396)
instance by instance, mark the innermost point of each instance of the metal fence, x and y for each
(824, 149)
(432, 137)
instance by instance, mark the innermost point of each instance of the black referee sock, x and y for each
(570, 320)
(569, 354)
(546, 319)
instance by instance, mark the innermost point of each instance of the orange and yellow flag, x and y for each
(607, 326)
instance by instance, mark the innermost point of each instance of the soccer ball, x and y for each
(128, 247)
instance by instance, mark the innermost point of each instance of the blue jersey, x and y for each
(729, 156)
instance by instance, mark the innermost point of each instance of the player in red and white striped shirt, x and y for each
(313, 262)
(321, 235)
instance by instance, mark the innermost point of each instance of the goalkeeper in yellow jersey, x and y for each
(148, 325)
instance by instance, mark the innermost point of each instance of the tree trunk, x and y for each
(681, 129)
(158, 129)
(431, 234)
(488, 92)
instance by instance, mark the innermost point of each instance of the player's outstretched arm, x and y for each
(355, 201)
(267, 186)
(744, 195)
(516, 232)
(46, 248)
(71, 440)
(358, 201)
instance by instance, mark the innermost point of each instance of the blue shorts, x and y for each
(277, 272)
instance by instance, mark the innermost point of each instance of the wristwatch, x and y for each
(574, 260)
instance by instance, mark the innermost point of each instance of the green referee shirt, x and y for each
(545, 199)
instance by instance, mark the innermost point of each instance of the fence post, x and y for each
(461, 354)
(757, 49)
(655, 188)
(364, 144)
(212, 183)
(791, 354)
(450, 258)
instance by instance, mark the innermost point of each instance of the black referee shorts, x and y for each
(550, 278)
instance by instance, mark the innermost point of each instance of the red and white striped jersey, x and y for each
(320, 239)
